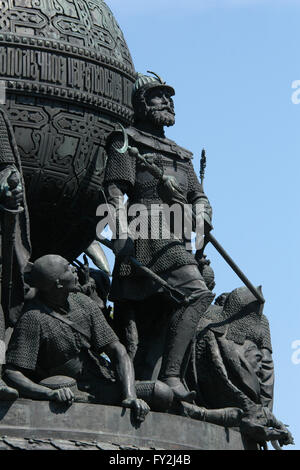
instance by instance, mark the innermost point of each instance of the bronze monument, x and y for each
(79, 129)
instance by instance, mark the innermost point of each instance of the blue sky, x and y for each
(232, 64)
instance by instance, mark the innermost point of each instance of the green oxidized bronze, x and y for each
(68, 76)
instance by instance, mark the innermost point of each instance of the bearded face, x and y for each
(161, 115)
(157, 107)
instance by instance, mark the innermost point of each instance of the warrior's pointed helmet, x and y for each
(144, 83)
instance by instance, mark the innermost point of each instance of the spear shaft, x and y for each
(210, 238)
(202, 166)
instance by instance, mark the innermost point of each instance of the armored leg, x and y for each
(182, 328)
(157, 394)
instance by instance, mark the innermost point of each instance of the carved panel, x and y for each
(69, 77)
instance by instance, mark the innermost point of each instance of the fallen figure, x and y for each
(232, 369)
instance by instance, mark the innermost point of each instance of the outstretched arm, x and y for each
(125, 375)
(30, 389)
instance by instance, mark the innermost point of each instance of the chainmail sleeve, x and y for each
(195, 190)
(101, 333)
(120, 168)
(265, 334)
(23, 348)
(267, 377)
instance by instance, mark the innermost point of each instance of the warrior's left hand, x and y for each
(140, 407)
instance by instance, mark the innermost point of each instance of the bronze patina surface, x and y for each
(68, 76)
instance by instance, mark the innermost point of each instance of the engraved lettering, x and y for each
(43, 66)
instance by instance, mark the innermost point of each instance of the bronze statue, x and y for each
(167, 258)
(62, 333)
(15, 239)
(70, 86)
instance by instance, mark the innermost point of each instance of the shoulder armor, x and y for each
(158, 144)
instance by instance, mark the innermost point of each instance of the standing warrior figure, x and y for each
(14, 240)
(167, 258)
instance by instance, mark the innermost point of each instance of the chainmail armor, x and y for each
(120, 167)
(42, 341)
(144, 390)
(246, 321)
(265, 334)
(240, 319)
(158, 254)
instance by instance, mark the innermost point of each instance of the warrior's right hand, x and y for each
(62, 395)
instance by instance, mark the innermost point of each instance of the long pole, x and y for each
(235, 268)
(210, 238)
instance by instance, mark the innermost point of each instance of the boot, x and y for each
(181, 331)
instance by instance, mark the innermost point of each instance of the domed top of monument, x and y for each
(68, 76)
(87, 25)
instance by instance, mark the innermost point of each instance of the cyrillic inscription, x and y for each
(64, 71)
